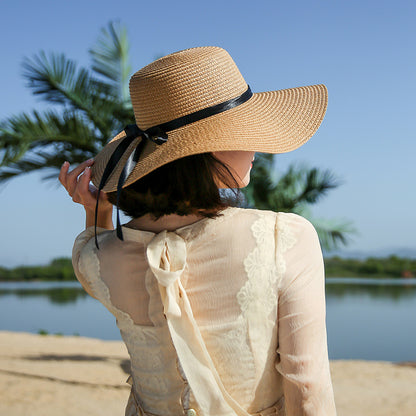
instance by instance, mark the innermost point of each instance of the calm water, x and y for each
(366, 318)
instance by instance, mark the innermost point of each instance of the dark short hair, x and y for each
(185, 186)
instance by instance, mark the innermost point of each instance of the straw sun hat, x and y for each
(196, 101)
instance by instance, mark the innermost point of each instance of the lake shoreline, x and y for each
(391, 267)
(42, 375)
(356, 310)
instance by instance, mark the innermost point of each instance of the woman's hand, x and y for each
(77, 184)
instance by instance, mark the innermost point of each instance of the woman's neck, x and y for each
(167, 222)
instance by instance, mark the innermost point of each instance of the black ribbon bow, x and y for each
(157, 134)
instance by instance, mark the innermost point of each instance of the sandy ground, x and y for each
(60, 376)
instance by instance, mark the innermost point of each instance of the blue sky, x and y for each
(362, 50)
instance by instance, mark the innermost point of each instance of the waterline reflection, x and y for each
(365, 320)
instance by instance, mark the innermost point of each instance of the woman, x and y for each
(222, 309)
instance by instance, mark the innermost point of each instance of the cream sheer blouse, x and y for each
(223, 317)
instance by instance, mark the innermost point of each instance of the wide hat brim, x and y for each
(269, 122)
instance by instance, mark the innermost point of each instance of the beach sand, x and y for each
(75, 376)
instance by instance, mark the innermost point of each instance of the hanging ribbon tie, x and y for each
(166, 255)
(156, 134)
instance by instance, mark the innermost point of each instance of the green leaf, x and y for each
(66, 134)
(110, 58)
(57, 80)
(333, 233)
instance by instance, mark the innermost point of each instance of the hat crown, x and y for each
(182, 83)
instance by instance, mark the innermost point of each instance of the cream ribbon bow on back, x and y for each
(166, 254)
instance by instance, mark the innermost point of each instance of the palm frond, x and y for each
(294, 191)
(91, 108)
(13, 143)
(36, 162)
(56, 79)
(316, 184)
(333, 233)
(67, 134)
(48, 159)
(110, 58)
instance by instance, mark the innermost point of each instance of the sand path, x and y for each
(74, 376)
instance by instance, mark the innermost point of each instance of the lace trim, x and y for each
(155, 339)
(186, 391)
(258, 295)
(90, 265)
(285, 240)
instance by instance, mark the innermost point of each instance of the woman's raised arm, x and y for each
(77, 183)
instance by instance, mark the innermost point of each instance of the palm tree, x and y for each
(93, 104)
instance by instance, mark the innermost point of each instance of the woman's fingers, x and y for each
(82, 194)
(71, 178)
(77, 183)
(81, 167)
(84, 181)
(63, 173)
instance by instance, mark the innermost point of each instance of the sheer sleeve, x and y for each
(80, 243)
(303, 354)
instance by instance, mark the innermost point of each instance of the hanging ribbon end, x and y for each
(119, 233)
(95, 220)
